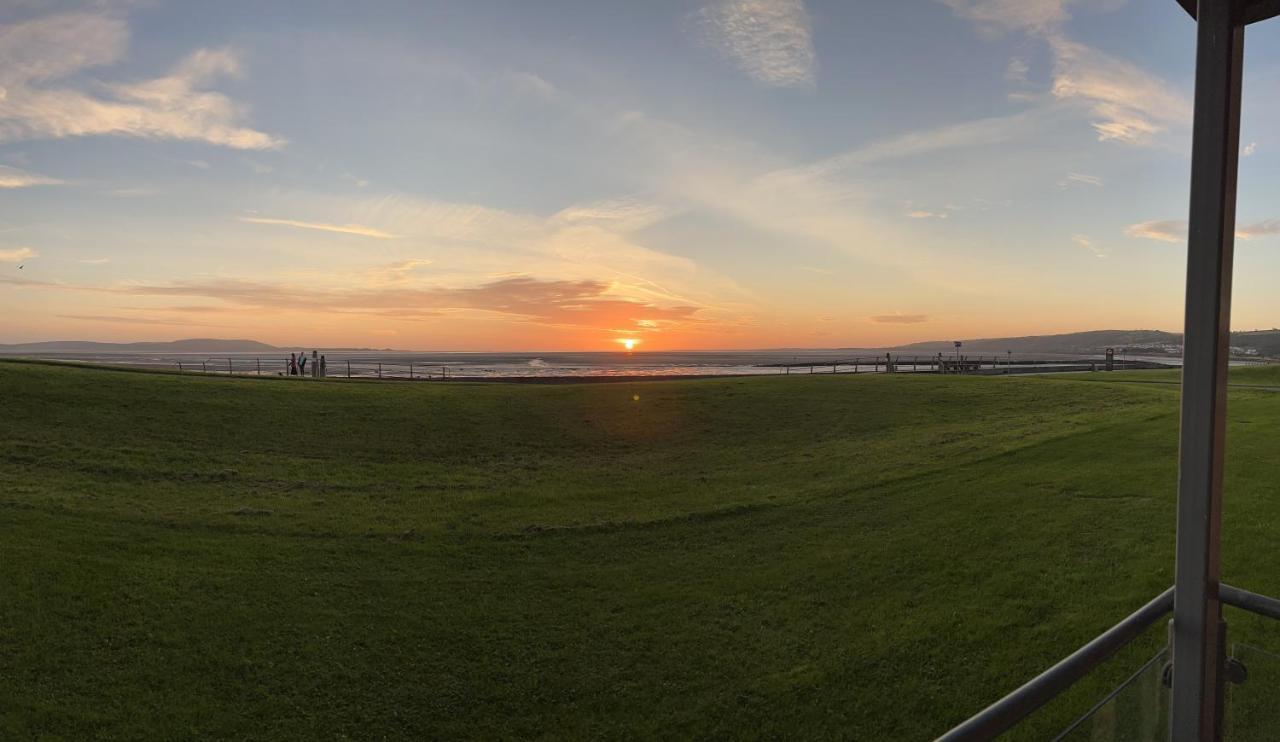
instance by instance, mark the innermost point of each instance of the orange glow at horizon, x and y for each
(629, 343)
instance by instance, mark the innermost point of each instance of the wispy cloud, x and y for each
(1011, 15)
(921, 214)
(1081, 179)
(355, 229)
(1258, 229)
(623, 215)
(1175, 230)
(1086, 243)
(1017, 69)
(1249, 149)
(35, 55)
(12, 177)
(559, 303)
(1166, 230)
(16, 254)
(123, 320)
(132, 192)
(1128, 104)
(770, 40)
(899, 319)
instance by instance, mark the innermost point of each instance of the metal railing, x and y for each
(344, 368)
(1006, 713)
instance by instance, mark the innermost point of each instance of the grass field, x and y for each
(870, 557)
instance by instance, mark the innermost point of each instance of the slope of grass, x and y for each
(826, 557)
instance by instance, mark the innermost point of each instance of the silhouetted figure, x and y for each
(302, 364)
(293, 364)
(323, 370)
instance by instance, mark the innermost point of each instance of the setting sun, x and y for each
(629, 343)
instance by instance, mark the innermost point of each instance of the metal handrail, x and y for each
(1252, 602)
(1004, 714)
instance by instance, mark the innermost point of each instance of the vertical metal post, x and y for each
(259, 360)
(1198, 639)
(348, 369)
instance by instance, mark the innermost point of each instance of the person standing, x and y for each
(315, 364)
(302, 364)
(323, 369)
(293, 364)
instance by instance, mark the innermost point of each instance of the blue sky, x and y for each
(540, 175)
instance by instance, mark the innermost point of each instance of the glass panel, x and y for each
(1253, 707)
(1136, 711)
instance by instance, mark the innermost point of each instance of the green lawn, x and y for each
(865, 556)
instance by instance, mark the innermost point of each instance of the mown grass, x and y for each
(829, 557)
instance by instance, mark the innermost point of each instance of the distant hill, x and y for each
(1253, 342)
(1094, 341)
(193, 345)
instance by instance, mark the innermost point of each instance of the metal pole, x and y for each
(379, 369)
(1198, 632)
(259, 360)
(348, 369)
(228, 367)
(410, 372)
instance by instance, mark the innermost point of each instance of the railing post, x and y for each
(410, 372)
(379, 369)
(259, 360)
(204, 367)
(348, 369)
(228, 366)
(1198, 632)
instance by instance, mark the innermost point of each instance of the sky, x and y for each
(568, 174)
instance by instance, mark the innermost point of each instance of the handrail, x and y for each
(1008, 711)
(1252, 602)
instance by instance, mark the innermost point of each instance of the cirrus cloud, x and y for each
(899, 319)
(770, 40)
(12, 177)
(38, 56)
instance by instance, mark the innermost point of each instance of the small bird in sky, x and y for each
(20, 267)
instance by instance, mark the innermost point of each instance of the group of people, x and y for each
(298, 363)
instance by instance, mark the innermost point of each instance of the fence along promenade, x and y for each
(349, 369)
(888, 363)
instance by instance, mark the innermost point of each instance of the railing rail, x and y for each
(1252, 602)
(1002, 715)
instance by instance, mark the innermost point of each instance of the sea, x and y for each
(531, 365)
